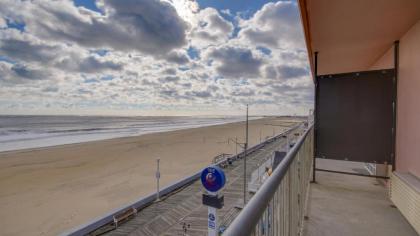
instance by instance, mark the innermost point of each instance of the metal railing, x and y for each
(278, 207)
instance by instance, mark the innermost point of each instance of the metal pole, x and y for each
(245, 153)
(315, 118)
(236, 145)
(157, 180)
(394, 105)
(213, 221)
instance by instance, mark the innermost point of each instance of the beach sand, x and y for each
(50, 190)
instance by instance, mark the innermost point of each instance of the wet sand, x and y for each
(49, 190)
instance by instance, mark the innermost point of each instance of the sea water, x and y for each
(23, 132)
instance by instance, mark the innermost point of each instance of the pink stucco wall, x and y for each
(408, 108)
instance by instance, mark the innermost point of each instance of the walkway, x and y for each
(349, 205)
(168, 216)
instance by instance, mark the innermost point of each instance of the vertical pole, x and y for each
(245, 153)
(315, 117)
(157, 180)
(212, 221)
(394, 105)
(236, 145)
(258, 168)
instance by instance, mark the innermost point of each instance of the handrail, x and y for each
(248, 218)
(144, 201)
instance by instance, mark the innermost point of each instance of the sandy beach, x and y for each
(49, 190)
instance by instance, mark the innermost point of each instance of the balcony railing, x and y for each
(278, 207)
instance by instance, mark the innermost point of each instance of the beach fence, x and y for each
(278, 207)
(133, 208)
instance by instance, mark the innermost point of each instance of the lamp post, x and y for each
(157, 180)
(245, 153)
(236, 145)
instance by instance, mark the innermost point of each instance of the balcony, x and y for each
(352, 205)
(337, 204)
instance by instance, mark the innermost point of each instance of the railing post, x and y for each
(315, 118)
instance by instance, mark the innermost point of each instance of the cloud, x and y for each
(170, 71)
(169, 79)
(148, 26)
(210, 29)
(25, 72)
(288, 72)
(169, 93)
(226, 12)
(200, 94)
(243, 93)
(177, 57)
(217, 22)
(89, 64)
(285, 71)
(235, 62)
(143, 54)
(275, 25)
(26, 51)
(3, 23)
(50, 89)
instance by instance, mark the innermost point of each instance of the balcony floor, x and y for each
(351, 205)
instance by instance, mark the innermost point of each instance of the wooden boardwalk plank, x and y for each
(168, 216)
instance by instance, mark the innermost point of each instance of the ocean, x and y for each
(23, 132)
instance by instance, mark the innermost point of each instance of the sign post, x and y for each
(212, 221)
(213, 179)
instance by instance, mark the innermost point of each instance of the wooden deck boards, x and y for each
(167, 216)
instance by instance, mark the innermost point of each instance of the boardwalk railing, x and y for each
(278, 207)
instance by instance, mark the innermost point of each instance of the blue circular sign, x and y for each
(213, 178)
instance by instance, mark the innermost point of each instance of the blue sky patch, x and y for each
(193, 53)
(264, 50)
(107, 78)
(88, 81)
(248, 7)
(15, 25)
(100, 52)
(89, 4)
(183, 68)
(6, 59)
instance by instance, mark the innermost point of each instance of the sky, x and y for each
(153, 57)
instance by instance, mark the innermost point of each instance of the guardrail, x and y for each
(145, 201)
(278, 207)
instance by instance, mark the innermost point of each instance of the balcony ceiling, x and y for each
(351, 35)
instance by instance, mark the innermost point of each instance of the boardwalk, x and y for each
(168, 216)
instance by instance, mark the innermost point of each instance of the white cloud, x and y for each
(235, 62)
(210, 29)
(148, 26)
(275, 25)
(3, 23)
(133, 56)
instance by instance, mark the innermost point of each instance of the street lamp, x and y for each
(245, 153)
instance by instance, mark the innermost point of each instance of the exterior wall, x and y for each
(408, 108)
